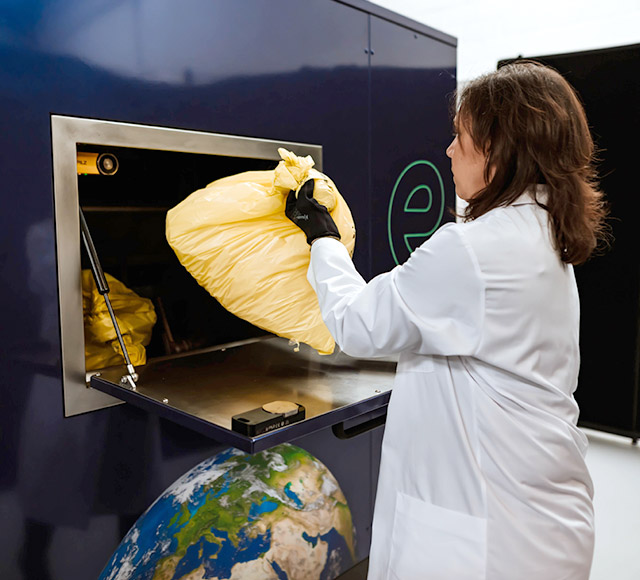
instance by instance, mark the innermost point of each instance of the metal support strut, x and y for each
(103, 288)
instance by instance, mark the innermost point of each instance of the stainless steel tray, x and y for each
(204, 391)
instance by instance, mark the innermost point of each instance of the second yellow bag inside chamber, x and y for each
(136, 317)
(235, 240)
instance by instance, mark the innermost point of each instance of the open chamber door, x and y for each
(204, 366)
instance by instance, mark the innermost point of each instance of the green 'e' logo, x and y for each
(419, 200)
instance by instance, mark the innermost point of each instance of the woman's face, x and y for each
(467, 163)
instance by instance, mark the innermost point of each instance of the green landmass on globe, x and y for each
(278, 514)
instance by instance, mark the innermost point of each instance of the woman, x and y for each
(482, 473)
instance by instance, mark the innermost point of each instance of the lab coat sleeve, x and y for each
(433, 304)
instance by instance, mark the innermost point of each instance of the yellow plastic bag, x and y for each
(235, 240)
(136, 317)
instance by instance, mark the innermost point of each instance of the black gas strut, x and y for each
(103, 288)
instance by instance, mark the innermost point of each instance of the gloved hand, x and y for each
(310, 216)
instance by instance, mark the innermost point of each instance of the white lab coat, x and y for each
(482, 474)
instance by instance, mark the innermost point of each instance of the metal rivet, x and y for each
(165, 401)
(378, 391)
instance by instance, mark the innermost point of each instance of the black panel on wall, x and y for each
(608, 85)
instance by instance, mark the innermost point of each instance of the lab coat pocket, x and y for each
(433, 543)
(415, 363)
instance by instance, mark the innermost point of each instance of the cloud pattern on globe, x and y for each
(278, 514)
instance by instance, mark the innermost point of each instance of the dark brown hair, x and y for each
(531, 125)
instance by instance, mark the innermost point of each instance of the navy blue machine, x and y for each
(370, 87)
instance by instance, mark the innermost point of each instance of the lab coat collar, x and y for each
(539, 192)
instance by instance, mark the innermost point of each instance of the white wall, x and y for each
(489, 30)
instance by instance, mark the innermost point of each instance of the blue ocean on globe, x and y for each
(278, 514)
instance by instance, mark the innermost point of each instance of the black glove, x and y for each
(311, 217)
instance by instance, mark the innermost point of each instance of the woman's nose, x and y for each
(449, 150)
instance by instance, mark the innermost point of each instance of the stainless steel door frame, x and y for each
(66, 134)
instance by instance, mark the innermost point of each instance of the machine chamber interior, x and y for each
(126, 213)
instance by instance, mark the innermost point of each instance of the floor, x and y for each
(615, 469)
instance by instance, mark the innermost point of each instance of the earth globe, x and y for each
(278, 514)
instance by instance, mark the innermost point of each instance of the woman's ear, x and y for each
(489, 168)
